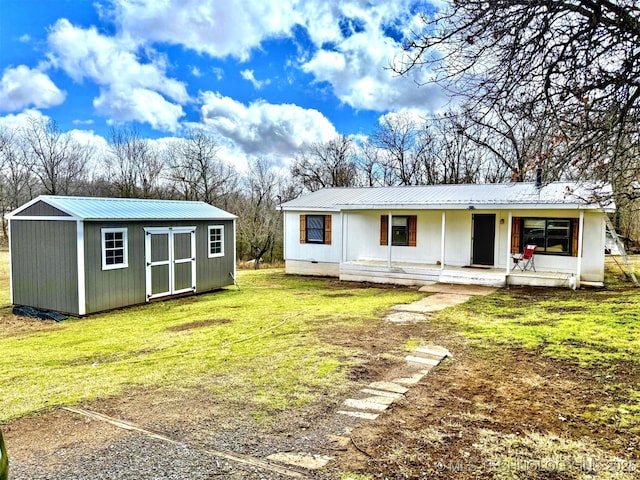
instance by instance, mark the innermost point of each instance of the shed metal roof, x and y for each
(564, 195)
(99, 208)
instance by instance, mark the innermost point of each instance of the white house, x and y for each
(450, 233)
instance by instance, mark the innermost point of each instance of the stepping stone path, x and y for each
(376, 397)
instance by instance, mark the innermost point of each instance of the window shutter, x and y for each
(384, 230)
(413, 230)
(515, 235)
(303, 228)
(327, 229)
(574, 237)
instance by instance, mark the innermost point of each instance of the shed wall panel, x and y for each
(108, 289)
(44, 265)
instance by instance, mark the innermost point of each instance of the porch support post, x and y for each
(509, 231)
(442, 239)
(390, 239)
(580, 236)
(343, 250)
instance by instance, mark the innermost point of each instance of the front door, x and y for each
(484, 234)
(170, 255)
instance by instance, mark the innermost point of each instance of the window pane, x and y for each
(215, 241)
(315, 228)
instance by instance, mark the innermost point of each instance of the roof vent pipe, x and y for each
(538, 177)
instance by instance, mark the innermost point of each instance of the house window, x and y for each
(400, 231)
(216, 241)
(114, 248)
(315, 229)
(403, 230)
(552, 235)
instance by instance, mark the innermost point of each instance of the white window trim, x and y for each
(216, 227)
(125, 237)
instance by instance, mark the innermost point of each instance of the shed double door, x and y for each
(170, 255)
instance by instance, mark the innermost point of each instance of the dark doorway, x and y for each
(484, 234)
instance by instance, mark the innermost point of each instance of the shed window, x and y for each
(216, 241)
(114, 248)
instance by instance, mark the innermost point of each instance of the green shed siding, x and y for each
(212, 273)
(107, 289)
(41, 209)
(44, 264)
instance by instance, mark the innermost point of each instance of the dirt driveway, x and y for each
(479, 406)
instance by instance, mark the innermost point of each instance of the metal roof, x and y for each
(563, 195)
(98, 208)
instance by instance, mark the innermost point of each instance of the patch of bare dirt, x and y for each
(199, 324)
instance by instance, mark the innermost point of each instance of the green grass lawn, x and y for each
(598, 329)
(259, 343)
(267, 341)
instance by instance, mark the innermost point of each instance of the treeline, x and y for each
(39, 158)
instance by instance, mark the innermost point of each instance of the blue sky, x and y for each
(264, 77)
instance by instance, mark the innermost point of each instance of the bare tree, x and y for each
(403, 151)
(197, 172)
(574, 61)
(327, 164)
(259, 223)
(134, 168)
(55, 158)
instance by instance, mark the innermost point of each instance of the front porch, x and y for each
(408, 273)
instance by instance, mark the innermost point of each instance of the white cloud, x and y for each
(265, 129)
(128, 84)
(139, 104)
(22, 87)
(220, 29)
(249, 76)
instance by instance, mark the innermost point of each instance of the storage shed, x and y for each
(80, 255)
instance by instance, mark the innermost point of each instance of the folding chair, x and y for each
(524, 261)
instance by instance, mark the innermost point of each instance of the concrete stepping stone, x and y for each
(422, 360)
(310, 461)
(389, 387)
(364, 415)
(435, 352)
(406, 317)
(382, 393)
(412, 380)
(452, 288)
(433, 303)
(382, 400)
(365, 404)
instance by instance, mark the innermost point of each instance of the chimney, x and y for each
(538, 177)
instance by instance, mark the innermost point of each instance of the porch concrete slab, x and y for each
(363, 415)
(389, 387)
(310, 461)
(365, 405)
(422, 360)
(433, 303)
(406, 317)
(382, 393)
(454, 288)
